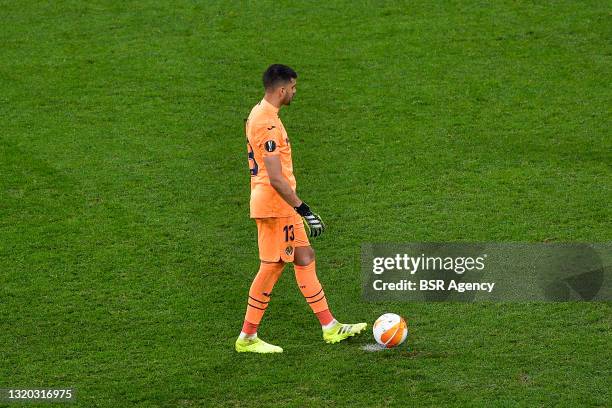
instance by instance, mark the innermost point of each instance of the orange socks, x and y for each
(261, 290)
(325, 317)
(259, 294)
(249, 329)
(306, 277)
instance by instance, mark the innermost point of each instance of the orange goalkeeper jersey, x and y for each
(266, 136)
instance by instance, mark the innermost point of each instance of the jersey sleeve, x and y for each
(268, 138)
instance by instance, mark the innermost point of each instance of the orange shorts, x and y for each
(278, 237)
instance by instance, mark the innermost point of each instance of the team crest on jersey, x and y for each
(270, 145)
(289, 250)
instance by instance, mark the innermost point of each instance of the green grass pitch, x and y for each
(126, 251)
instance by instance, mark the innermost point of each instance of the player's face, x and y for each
(288, 91)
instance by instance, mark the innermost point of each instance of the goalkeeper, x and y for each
(284, 222)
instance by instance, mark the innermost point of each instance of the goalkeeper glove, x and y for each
(314, 223)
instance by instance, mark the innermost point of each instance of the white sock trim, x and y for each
(244, 336)
(330, 325)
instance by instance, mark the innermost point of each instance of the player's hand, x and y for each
(314, 224)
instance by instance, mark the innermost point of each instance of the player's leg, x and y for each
(308, 282)
(270, 269)
(258, 300)
(259, 295)
(312, 290)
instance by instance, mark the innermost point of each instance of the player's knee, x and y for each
(304, 256)
(268, 264)
(273, 268)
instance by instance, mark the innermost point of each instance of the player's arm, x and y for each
(280, 182)
(281, 185)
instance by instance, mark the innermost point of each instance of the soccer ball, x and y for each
(390, 330)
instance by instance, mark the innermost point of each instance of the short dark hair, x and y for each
(277, 73)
